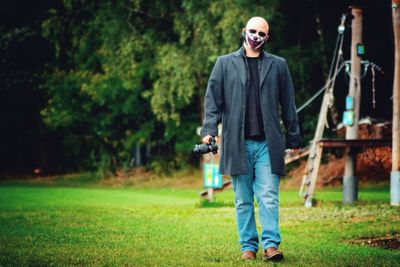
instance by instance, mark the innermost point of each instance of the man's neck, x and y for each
(251, 52)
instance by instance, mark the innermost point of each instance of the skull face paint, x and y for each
(253, 40)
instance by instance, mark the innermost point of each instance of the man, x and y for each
(247, 91)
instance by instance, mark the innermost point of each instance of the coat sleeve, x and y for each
(213, 101)
(288, 109)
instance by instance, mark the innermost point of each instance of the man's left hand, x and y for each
(294, 151)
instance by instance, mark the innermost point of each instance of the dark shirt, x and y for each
(253, 120)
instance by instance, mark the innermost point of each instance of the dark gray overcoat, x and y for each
(225, 102)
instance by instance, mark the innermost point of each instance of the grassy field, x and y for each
(42, 225)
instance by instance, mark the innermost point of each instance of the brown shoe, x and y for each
(248, 255)
(272, 254)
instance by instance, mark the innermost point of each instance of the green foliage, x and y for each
(175, 86)
(205, 30)
(99, 96)
(133, 72)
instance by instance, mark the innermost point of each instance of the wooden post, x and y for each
(210, 194)
(209, 158)
(395, 174)
(311, 171)
(313, 179)
(350, 181)
(213, 159)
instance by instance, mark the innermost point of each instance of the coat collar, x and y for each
(238, 60)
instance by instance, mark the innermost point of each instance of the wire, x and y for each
(311, 99)
(334, 55)
(337, 57)
(373, 87)
(331, 79)
(339, 39)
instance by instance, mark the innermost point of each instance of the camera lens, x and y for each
(201, 149)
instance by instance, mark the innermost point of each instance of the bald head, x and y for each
(255, 35)
(258, 23)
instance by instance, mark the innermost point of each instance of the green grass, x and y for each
(85, 226)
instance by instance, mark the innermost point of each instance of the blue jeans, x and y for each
(265, 186)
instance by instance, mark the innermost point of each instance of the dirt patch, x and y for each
(387, 241)
(373, 165)
(330, 173)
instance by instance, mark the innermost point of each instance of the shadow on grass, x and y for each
(205, 203)
(339, 204)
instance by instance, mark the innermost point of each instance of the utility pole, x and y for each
(395, 174)
(350, 180)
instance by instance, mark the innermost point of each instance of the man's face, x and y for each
(256, 32)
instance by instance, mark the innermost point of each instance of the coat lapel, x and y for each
(265, 67)
(240, 67)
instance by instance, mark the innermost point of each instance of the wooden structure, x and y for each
(395, 174)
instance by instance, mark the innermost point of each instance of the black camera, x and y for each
(205, 148)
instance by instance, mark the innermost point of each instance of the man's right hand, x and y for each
(206, 139)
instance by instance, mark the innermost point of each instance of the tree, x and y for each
(95, 86)
(137, 70)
